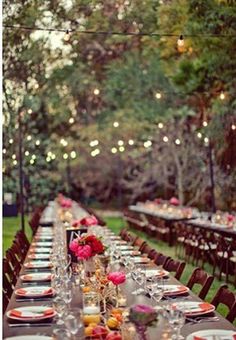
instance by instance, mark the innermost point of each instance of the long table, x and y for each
(127, 289)
(194, 221)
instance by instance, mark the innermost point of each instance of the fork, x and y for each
(203, 319)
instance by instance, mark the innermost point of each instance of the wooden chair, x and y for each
(139, 243)
(7, 286)
(228, 298)
(161, 259)
(5, 301)
(199, 276)
(19, 250)
(14, 262)
(21, 235)
(134, 220)
(175, 266)
(123, 232)
(146, 249)
(7, 269)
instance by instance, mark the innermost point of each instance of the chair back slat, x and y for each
(199, 276)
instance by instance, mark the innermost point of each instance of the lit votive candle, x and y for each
(91, 310)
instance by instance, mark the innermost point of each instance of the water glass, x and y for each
(176, 320)
(73, 322)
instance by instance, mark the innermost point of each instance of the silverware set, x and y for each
(202, 319)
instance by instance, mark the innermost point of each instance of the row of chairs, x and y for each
(198, 277)
(35, 218)
(199, 246)
(195, 245)
(12, 263)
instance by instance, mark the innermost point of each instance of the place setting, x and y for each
(36, 277)
(37, 293)
(37, 264)
(212, 334)
(30, 315)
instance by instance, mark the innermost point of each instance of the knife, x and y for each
(30, 324)
(34, 300)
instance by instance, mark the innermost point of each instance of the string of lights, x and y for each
(145, 34)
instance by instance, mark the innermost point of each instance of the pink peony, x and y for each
(66, 203)
(84, 252)
(174, 201)
(74, 246)
(89, 221)
(230, 218)
(116, 278)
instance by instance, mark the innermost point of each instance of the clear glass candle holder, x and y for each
(91, 308)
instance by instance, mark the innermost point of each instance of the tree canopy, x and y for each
(111, 117)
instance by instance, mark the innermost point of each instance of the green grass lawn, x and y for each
(12, 224)
(118, 223)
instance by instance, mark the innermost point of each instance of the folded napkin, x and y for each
(22, 291)
(32, 314)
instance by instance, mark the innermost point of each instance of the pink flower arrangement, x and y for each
(66, 203)
(157, 200)
(230, 218)
(117, 278)
(174, 201)
(86, 246)
(89, 221)
(142, 314)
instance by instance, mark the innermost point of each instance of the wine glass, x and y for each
(72, 324)
(60, 307)
(176, 320)
(60, 334)
(139, 277)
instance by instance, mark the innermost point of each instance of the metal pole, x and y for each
(68, 175)
(21, 173)
(211, 168)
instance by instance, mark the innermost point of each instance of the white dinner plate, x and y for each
(31, 313)
(39, 256)
(38, 264)
(194, 308)
(210, 333)
(156, 272)
(42, 244)
(125, 247)
(30, 337)
(170, 290)
(36, 291)
(43, 237)
(40, 250)
(35, 277)
(141, 260)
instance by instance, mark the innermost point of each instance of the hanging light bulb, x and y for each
(115, 124)
(180, 41)
(205, 123)
(222, 95)
(67, 35)
(96, 92)
(233, 127)
(158, 95)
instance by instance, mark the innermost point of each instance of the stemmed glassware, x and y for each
(176, 319)
(73, 322)
(139, 277)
